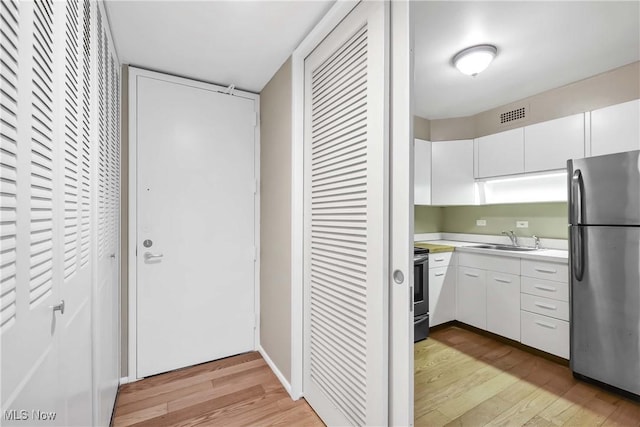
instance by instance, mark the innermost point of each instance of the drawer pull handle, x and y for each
(545, 270)
(545, 288)
(502, 280)
(471, 275)
(545, 325)
(439, 274)
(438, 259)
(547, 306)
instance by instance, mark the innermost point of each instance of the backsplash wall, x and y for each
(428, 219)
(545, 219)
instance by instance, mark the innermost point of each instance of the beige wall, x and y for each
(612, 87)
(427, 219)
(421, 128)
(124, 223)
(275, 218)
(545, 219)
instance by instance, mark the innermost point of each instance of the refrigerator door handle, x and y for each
(577, 252)
(575, 200)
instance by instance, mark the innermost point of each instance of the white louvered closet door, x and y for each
(30, 246)
(346, 221)
(48, 197)
(106, 313)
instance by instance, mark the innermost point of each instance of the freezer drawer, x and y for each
(605, 305)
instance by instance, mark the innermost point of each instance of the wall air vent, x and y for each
(513, 115)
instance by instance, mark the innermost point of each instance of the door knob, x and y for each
(149, 255)
(58, 307)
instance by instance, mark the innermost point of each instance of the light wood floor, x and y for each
(466, 379)
(236, 391)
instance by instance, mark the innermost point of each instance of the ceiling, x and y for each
(541, 46)
(225, 42)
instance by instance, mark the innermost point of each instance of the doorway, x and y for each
(193, 222)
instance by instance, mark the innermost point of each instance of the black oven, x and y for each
(421, 293)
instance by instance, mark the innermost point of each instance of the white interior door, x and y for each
(346, 221)
(106, 185)
(196, 186)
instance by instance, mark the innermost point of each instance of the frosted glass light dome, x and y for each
(475, 59)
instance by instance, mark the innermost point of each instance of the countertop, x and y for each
(435, 248)
(551, 255)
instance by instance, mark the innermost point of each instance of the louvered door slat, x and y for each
(345, 225)
(42, 152)
(71, 136)
(8, 161)
(85, 156)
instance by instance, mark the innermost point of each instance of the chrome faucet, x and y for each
(536, 241)
(512, 236)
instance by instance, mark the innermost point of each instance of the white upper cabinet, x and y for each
(452, 173)
(548, 145)
(422, 173)
(616, 128)
(501, 153)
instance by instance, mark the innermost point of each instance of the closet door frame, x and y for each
(401, 205)
(134, 73)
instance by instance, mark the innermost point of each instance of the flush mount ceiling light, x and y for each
(474, 59)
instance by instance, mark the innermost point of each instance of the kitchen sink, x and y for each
(506, 248)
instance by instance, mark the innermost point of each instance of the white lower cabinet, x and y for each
(503, 304)
(545, 333)
(442, 295)
(471, 306)
(515, 299)
(545, 306)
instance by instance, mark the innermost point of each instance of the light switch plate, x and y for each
(481, 222)
(522, 224)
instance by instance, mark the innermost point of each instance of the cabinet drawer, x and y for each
(545, 270)
(545, 288)
(441, 259)
(545, 333)
(545, 306)
(501, 264)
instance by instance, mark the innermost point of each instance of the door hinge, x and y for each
(255, 119)
(256, 319)
(255, 253)
(256, 184)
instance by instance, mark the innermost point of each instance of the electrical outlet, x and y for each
(481, 222)
(522, 224)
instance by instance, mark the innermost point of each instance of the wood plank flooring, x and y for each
(236, 391)
(466, 379)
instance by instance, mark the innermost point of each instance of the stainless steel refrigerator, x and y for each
(604, 234)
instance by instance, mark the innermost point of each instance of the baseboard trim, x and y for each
(276, 371)
(124, 380)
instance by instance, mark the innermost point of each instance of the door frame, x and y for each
(401, 203)
(134, 73)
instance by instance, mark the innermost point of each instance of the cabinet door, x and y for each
(471, 301)
(452, 173)
(422, 173)
(549, 145)
(503, 304)
(616, 128)
(501, 153)
(442, 295)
